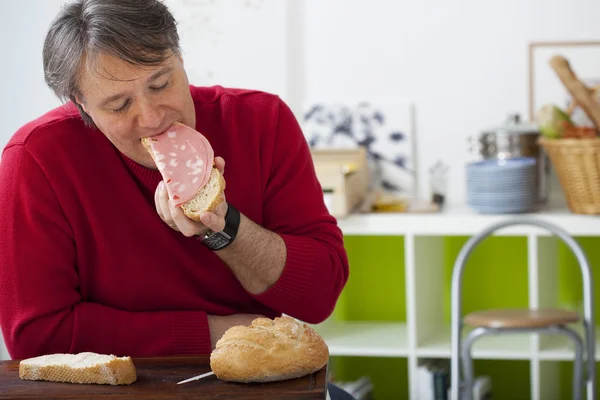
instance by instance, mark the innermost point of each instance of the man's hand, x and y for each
(177, 220)
(218, 324)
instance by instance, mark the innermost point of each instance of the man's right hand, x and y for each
(218, 324)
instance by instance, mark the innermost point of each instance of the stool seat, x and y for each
(520, 318)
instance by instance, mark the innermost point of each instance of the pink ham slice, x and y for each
(184, 158)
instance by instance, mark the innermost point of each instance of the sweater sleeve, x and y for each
(316, 267)
(41, 309)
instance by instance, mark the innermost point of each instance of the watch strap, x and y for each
(222, 239)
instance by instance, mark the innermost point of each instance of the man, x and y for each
(94, 258)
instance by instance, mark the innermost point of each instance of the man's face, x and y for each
(128, 102)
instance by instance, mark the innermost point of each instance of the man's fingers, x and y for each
(186, 226)
(220, 164)
(174, 217)
(212, 221)
(163, 203)
(157, 201)
(222, 207)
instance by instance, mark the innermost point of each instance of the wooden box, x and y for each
(344, 177)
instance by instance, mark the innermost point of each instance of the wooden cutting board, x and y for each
(157, 378)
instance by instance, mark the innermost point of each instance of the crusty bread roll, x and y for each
(84, 367)
(268, 350)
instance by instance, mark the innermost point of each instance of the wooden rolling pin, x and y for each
(581, 94)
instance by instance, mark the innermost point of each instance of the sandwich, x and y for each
(185, 160)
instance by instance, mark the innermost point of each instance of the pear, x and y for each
(552, 121)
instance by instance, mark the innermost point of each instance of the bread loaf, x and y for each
(87, 367)
(268, 350)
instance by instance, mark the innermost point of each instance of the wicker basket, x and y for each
(577, 164)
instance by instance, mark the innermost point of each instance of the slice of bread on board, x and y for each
(86, 367)
(268, 350)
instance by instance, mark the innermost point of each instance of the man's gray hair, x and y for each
(141, 32)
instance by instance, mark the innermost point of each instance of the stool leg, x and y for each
(578, 362)
(578, 370)
(469, 374)
(590, 344)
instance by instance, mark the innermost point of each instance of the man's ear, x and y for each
(81, 102)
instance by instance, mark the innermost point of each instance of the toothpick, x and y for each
(195, 378)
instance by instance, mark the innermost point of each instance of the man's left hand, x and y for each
(177, 220)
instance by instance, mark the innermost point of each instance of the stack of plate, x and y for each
(502, 186)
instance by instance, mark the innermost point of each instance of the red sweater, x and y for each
(86, 264)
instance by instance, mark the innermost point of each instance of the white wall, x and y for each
(463, 63)
(24, 94)
(239, 42)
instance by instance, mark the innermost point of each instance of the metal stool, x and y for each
(494, 322)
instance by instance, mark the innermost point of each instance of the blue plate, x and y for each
(508, 209)
(507, 164)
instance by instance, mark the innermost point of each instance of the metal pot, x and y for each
(511, 140)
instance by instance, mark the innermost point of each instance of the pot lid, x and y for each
(514, 126)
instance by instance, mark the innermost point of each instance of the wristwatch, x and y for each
(220, 240)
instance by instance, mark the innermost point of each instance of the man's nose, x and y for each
(150, 115)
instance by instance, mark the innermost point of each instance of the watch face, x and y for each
(217, 240)
(222, 239)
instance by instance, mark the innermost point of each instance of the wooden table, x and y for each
(157, 378)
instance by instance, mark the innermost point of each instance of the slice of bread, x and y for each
(207, 198)
(86, 367)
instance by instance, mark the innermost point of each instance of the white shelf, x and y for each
(501, 347)
(368, 339)
(460, 220)
(560, 348)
